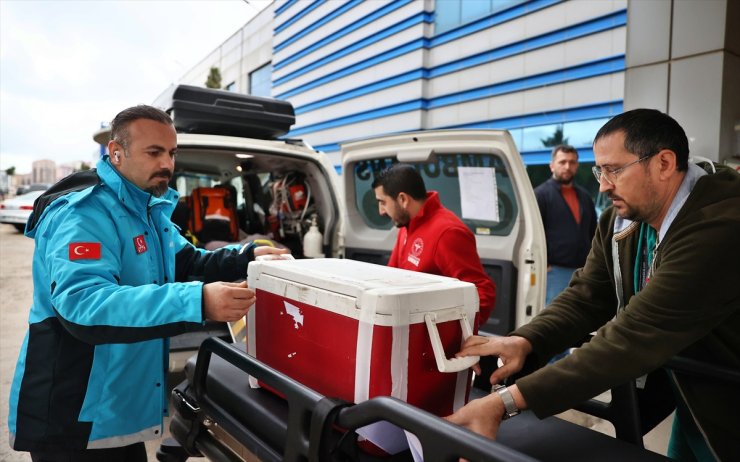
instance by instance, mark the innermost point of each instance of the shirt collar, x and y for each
(693, 174)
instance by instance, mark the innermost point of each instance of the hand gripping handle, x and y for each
(443, 363)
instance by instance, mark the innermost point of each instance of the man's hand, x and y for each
(227, 301)
(483, 416)
(267, 250)
(512, 351)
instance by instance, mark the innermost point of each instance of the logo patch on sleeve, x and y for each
(140, 244)
(84, 251)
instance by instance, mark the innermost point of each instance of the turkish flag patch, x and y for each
(84, 251)
(140, 244)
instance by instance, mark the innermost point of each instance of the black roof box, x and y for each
(220, 112)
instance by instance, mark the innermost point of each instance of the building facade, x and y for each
(44, 171)
(546, 70)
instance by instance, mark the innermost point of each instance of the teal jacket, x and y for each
(113, 278)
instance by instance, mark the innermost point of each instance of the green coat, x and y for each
(691, 307)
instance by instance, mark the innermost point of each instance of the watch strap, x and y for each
(509, 404)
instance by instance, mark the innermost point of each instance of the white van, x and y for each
(277, 186)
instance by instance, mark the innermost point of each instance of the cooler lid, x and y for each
(383, 289)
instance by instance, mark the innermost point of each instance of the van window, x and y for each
(441, 174)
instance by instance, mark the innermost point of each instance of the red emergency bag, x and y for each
(213, 214)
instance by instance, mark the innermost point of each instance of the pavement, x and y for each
(16, 289)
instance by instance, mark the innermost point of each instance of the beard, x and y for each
(402, 220)
(565, 178)
(158, 190)
(161, 187)
(643, 213)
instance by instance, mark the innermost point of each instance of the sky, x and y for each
(66, 66)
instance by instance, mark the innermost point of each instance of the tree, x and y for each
(555, 139)
(214, 78)
(10, 171)
(84, 166)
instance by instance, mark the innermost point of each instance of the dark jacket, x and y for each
(568, 242)
(690, 306)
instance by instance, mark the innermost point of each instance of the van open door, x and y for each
(480, 176)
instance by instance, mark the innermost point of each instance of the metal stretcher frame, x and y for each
(312, 418)
(223, 408)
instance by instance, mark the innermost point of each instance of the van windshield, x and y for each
(484, 199)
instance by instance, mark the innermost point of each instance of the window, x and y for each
(230, 87)
(441, 174)
(260, 81)
(453, 13)
(579, 133)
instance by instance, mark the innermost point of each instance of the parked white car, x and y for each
(16, 211)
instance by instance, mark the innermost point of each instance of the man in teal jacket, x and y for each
(661, 280)
(113, 279)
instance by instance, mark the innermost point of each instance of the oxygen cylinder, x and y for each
(313, 241)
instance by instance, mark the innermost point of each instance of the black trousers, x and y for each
(133, 453)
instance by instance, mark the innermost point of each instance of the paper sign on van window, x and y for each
(478, 193)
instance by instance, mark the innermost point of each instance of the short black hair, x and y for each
(119, 124)
(647, 132)
(401, 178)
(565, 148)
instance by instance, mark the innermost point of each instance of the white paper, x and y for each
(478, 193)
(386, 436)
(415, 446)
(392, 439)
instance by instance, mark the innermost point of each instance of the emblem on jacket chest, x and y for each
(417, 247)
(140, 244)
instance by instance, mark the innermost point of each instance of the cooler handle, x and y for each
(443, 363)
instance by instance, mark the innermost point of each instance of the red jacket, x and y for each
(436, 241)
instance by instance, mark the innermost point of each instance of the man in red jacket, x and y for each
(431, 239)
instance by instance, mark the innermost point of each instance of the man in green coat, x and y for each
(662, 279)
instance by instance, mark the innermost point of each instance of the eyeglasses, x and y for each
(610, 175)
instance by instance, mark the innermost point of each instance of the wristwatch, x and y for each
(509, 404)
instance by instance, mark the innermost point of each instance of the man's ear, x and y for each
(403, 200)
(667, 162)
(113, 148)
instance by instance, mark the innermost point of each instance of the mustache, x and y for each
(164, 172)
(614, 197)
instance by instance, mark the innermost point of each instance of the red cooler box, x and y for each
(355, 330)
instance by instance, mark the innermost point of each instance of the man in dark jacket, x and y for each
(569, 217)
(661, 279)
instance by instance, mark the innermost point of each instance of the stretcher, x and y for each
(217, 414)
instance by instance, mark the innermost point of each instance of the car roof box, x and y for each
(220, 112)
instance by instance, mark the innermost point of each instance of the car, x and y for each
(24, 189)
(16, 211)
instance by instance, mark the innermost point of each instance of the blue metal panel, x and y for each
(299, 15)
(341, 33)
(606, 66)
(280, 10)
(593, 69)
(593, 26)
(582, 71)
(389, 31)
(316, 25)
(398, 51)
(597, 25)
(492, 20)
(593, 111)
